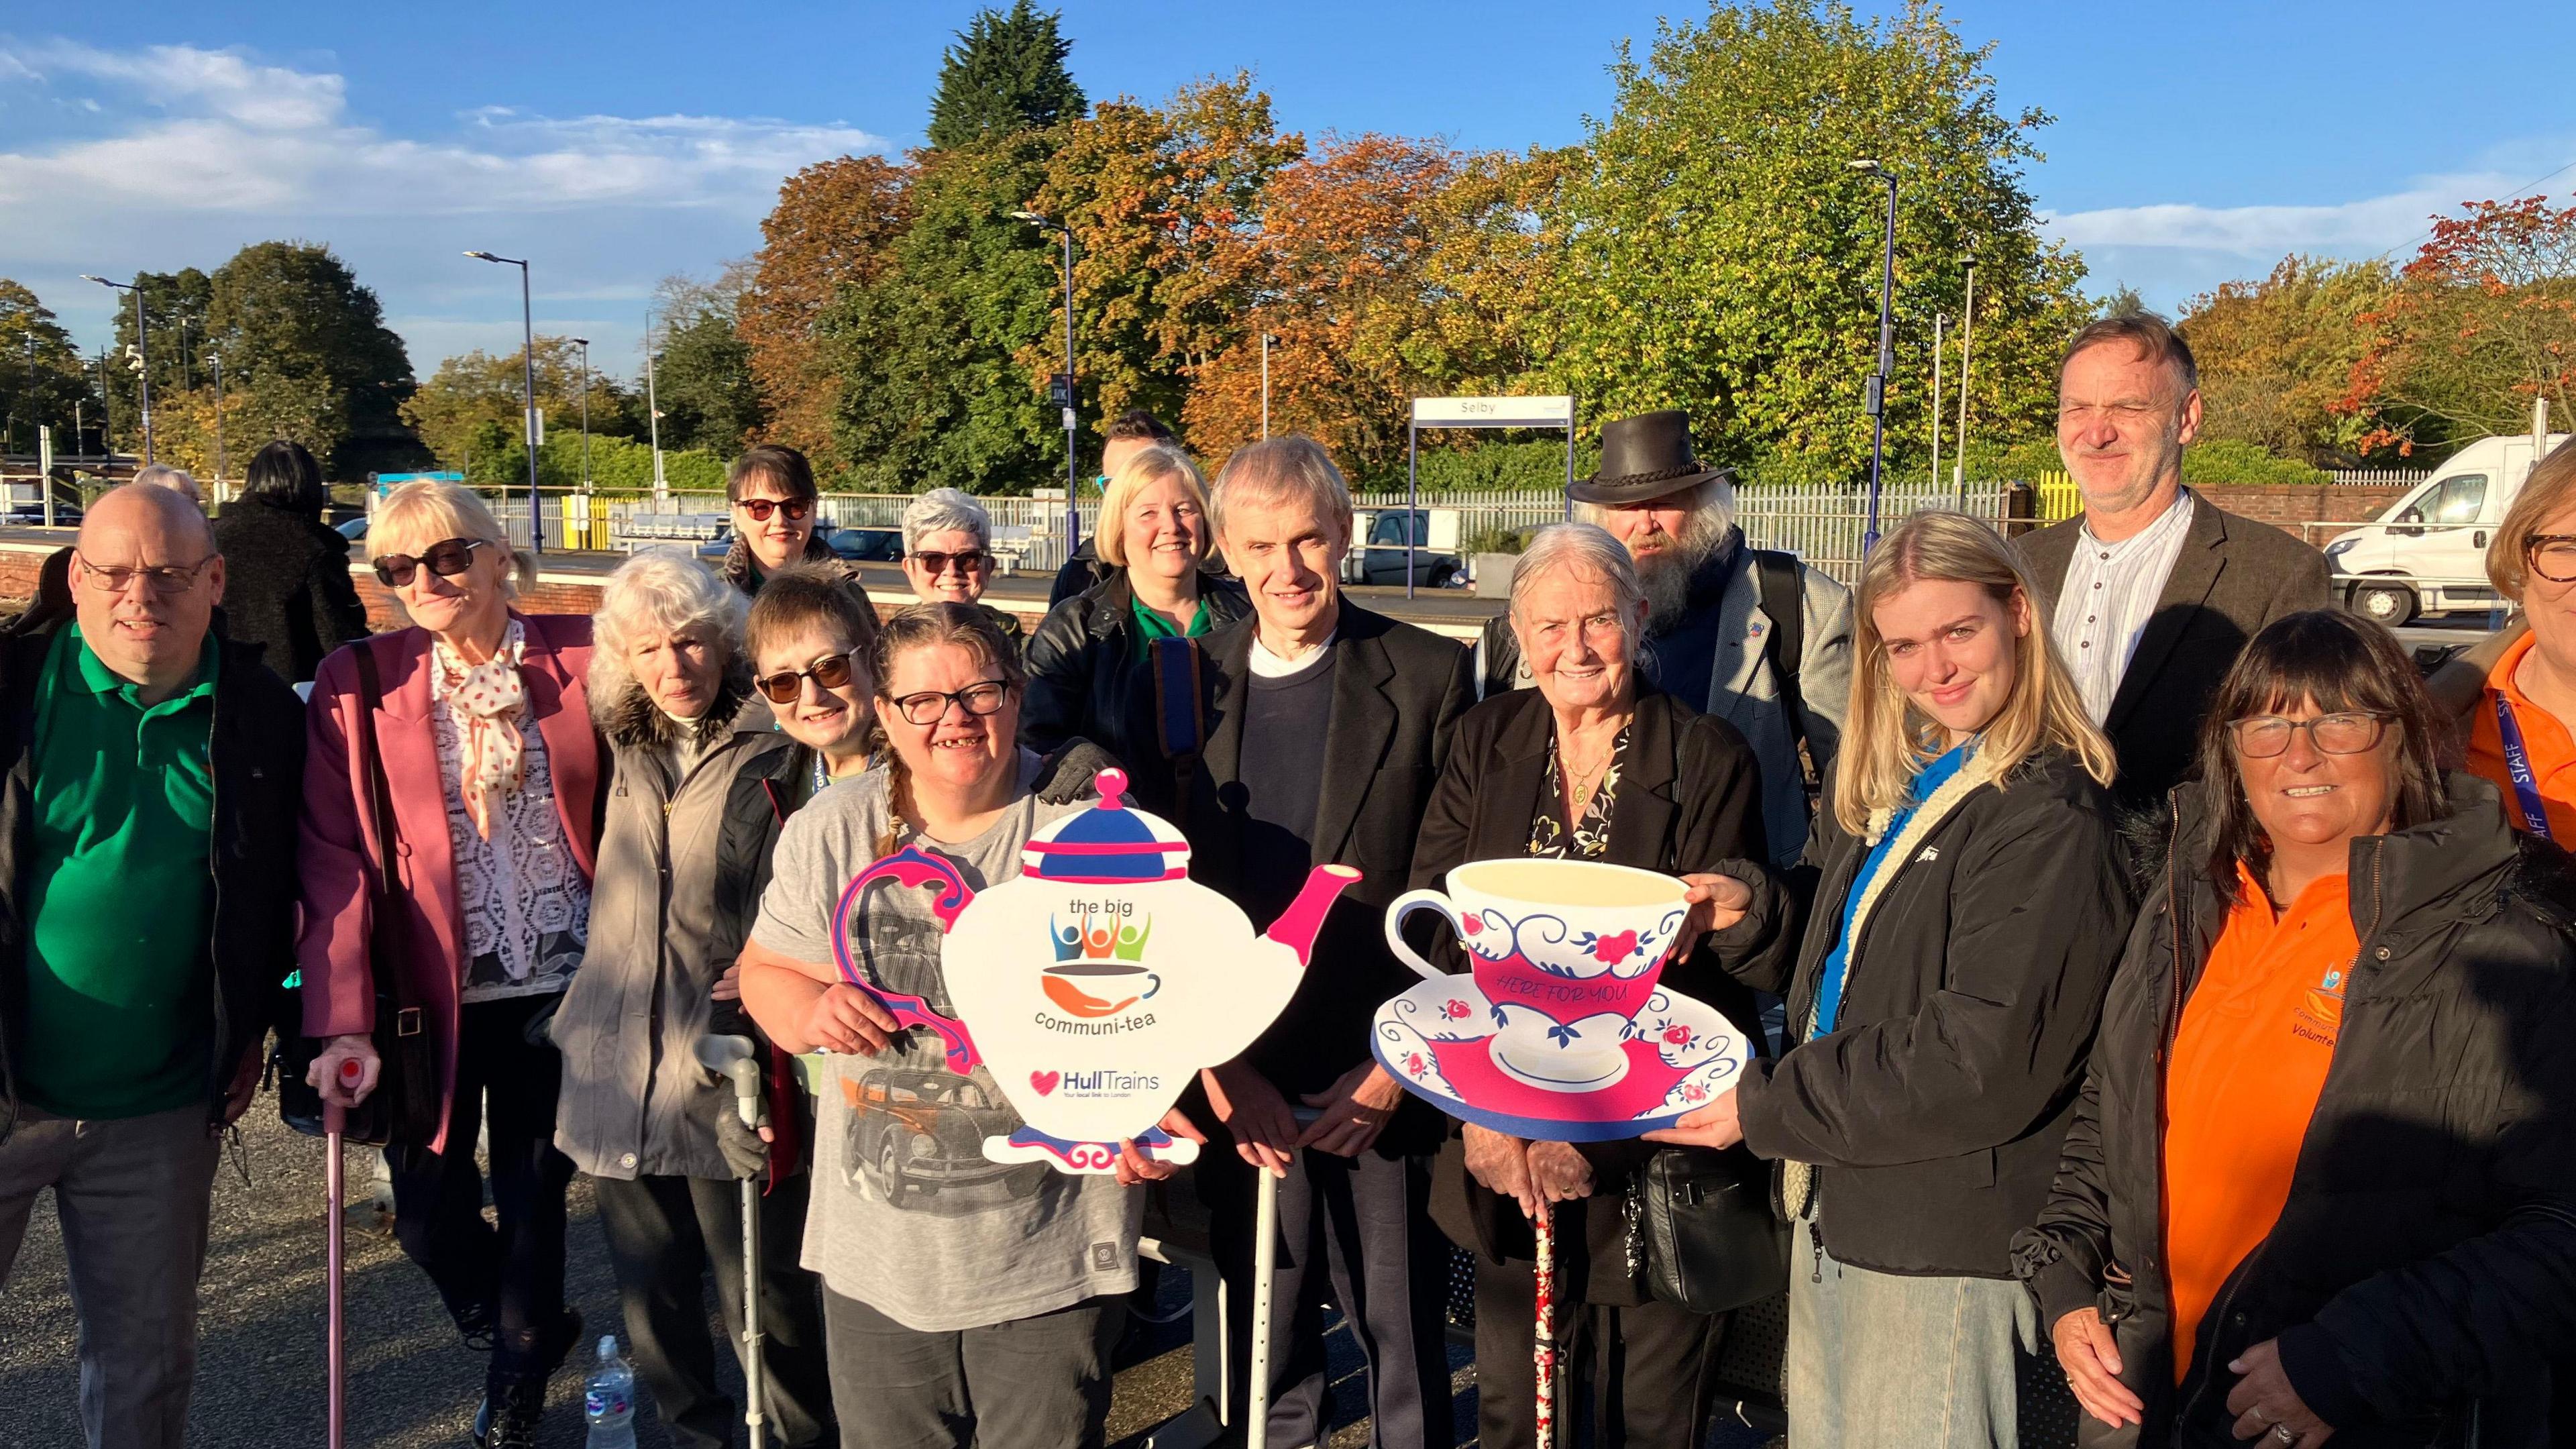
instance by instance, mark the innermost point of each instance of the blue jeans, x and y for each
(1878, 1360)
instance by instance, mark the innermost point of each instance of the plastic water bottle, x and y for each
(609, 1402)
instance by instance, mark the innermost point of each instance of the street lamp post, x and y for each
(528, 424)
(1967, 343)
(1877, 396)
(585, 413)
(215, 360)
(1072, 479)
(653, 419)
(1940, 322)
(1266, 340)
(143, 349)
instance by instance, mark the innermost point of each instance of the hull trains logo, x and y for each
(1098, 1082)
(1098, 980)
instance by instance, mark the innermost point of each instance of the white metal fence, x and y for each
(1822, 523)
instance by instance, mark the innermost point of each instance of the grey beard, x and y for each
(1666, 577)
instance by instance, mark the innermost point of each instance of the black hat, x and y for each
(1644, 457)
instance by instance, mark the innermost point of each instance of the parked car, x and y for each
(868, 545)
(354, 529)
(2428, 553)
(915, 1132)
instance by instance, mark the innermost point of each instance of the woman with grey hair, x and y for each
(670, 689)
(948, 554)
(1595, 764)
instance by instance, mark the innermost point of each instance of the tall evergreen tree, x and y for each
(1004, 75)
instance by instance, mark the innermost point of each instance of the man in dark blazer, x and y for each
(1326, 727)
(2151, 592)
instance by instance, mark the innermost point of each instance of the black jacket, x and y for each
(256, 749)
(287, 589)
(1936, 1108)
(1689, 799)
(1397, 694)
(1085, 680)
(2424, 1264)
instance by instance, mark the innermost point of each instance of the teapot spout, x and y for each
(1297, 926)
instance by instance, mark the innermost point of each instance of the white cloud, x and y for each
(172, 155)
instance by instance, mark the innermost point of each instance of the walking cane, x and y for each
(1265, 1261)
(335, 1126)
(738, 1058)
(1544, 1340)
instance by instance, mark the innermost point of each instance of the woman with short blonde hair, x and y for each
(1970, 900)
(1086, 661)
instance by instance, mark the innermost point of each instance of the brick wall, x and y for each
(2289, 508)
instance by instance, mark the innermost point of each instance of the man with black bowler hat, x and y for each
(1753, 636)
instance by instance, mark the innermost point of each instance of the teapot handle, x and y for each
(910, 866)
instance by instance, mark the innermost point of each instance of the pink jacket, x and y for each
(338, 841)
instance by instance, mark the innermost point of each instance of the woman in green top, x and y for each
(1087, 673)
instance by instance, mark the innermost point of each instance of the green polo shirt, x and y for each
(1151, 626)
(120, 1006)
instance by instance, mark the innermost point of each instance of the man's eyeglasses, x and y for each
(2349, 733)
(935, 564)
(829, 672)
(761, 508)
(2552, 556)
(166, 581)
(447, 558)
(930, 706)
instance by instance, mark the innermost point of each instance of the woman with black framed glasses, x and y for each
(2321, 1181)
(478, 720)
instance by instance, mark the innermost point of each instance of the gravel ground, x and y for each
(260, 1376)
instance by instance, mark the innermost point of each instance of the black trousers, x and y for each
(1362, 1227)
(1040, 1382)
(663, 1235)
(1644, 1373)
(515, 1272)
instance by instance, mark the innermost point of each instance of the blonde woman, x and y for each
(478, 720)
(1968, 906)
(1088, 658)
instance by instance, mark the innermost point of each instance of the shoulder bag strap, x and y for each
(1785, 601)
(1180, 711)
(391, 983)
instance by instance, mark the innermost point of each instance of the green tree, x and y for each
(1721, 256)
(2276, 356)
(175, 304)
(469, 409)
(1005, 75)
(703, 379)
(42, 376)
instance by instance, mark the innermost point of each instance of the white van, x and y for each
(2428, 553)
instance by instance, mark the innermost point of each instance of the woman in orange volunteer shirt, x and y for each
(2521, 727)
(2322, 1178)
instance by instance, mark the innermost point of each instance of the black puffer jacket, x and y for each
(1936, 1108)
(1085, 680)
(2426, 1257)
(287, 589)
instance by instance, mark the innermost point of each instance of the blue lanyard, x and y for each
(2517, 763)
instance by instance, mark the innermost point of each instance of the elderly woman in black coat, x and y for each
(286, 576)
(1594, 764)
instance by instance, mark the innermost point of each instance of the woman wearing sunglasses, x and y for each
(671, 688)
(474, 726)
(2320, 1182)
(948, 554)
(776, 522)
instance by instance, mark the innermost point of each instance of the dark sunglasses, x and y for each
(829, 672)
(930, 706)
(761, 508)
(446, 558)
(935, 564)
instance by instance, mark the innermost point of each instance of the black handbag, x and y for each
(1703, 1223)
(405, 1107)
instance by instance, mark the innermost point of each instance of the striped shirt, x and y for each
(2110, 592)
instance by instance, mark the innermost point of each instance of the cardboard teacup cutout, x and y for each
(1099, 980)
(1562, 1031)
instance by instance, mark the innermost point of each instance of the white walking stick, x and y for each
(738, 1058)
(1265, 1261)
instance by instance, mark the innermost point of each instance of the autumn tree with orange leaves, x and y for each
(2482, 321)
(834, 228)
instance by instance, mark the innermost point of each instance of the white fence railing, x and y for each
(2381, 475)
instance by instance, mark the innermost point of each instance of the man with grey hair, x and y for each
(177, 480)
(2152, 591)
(147, 848)
(1325, 726)
(1756, 637)
(948, 553)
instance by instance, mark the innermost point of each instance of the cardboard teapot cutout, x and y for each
(1099, 980)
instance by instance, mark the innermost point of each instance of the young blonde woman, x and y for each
(1968, 905)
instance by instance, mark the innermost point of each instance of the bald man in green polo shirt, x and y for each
(147, 837)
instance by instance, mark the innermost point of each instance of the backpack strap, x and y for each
(1784, 599)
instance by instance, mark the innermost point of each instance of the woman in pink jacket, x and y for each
(492, 769)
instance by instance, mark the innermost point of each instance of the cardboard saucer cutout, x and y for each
(1099, 980)
(1561, 1031)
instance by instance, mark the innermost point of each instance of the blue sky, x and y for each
(617, 145)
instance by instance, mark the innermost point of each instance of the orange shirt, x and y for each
(2248, 1063)
(2544, 740)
